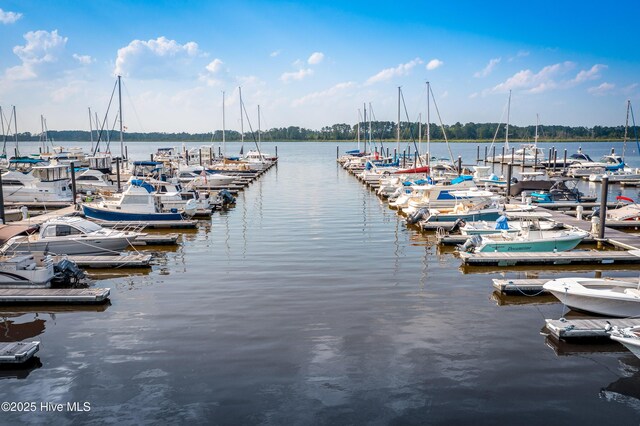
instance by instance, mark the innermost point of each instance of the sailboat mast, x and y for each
(365, 129)
(398, 129)
(428, 127)
(535, 140)
(506, 137)
(370, 132)
(120, 114)
(4, 135)
(91, 128)
(626, 128)
(357, 136)
(224, 140)
(15, 128)
(259, 140)
(241, 122)
(419, 133)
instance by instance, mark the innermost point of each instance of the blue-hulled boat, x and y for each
(137, 203)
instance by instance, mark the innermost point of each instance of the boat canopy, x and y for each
(460, 179)
(142, 184)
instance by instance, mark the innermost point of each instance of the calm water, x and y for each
(311, 303)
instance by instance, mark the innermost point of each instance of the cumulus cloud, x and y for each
(9, 17)
(317, 96)
(214, 66)
(389, 73)
(83, 59)
(551, 77)
(315, 58)
(591, 74)
(488, 69)
(601, 90)
(275, 53)
(532, 82)
(296, 75)
(41, 51)
(159, 58)
(434, 63)
(214, 73)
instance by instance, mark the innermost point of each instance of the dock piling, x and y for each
(118, 173)
(72, 165)
(509, 174)
(603, 206)
(2, 218)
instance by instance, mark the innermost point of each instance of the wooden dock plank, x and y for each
(130, 261)
(549, 258)
(593, 327)
(62, 295)
(17, 352)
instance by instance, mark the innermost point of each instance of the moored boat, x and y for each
(603, 296)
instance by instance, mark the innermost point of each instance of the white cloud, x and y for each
(601, 90)
(83, 59)
(315, 58)
(530, 82)
(214, 66)
(42, 50)
(434, 63)
(389, 73)
(275, 53)
(296, 75)
(316, 96)
(156, 59)
(488, 69)
(591, 74)
(9, 17)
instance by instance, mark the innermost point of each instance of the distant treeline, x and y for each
(380, 130)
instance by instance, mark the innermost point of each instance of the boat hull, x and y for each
(547, 245)
(120, 216)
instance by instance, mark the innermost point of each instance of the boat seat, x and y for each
(632, 292)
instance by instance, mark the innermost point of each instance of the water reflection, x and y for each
(514, 300)
(626, 389)
(19, 371)
(18, 329)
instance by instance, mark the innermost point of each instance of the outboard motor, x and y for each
(471, 244)
(459, 223)
(225, 198)
(417, 216)
(67, 272)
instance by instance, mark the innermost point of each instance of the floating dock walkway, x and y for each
(54, 296)
(17, 352)
(592, 327)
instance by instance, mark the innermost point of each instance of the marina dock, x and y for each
(584, 257)
(54, 296)
(17, 352)
(129, 261)
(586, 328)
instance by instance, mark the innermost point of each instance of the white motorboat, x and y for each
(528, 240)
(71, 236)
(626, 209)
(503, 224)
(610, 297)
(21, 271)
(42, 184)
(621, 175)
(91, 180)
(628, 336)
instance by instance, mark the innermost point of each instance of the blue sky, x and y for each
(316, 64)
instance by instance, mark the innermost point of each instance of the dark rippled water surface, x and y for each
(310, 302)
